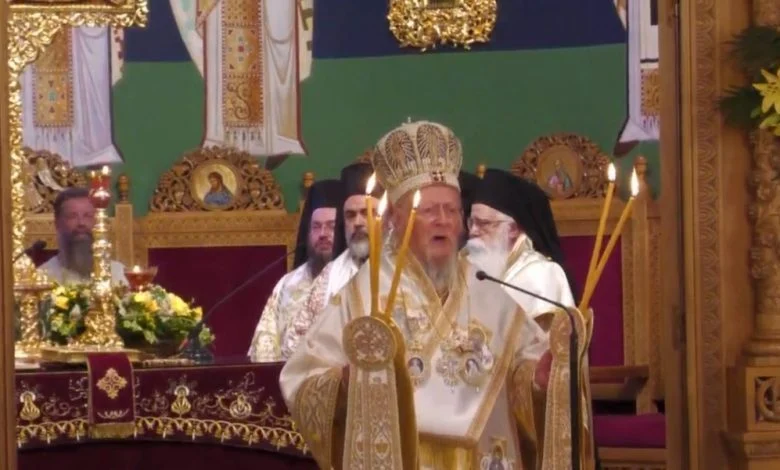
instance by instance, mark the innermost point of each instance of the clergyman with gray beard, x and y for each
(74, 220)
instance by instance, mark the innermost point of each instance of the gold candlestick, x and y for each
(100, 320)
(400, 262)
(602, 226)
(591, 287)
(30, 288)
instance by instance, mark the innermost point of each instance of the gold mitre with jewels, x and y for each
(415, 155)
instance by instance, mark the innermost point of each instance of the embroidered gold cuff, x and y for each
(314, 413)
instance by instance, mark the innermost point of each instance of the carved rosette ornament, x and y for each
(216, 179)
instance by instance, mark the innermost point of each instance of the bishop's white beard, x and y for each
(441, 275)
(490, 256)
(358, 249)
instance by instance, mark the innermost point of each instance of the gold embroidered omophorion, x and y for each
(242, 67)
(54, 83)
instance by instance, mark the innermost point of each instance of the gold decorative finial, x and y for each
(123, 187)
(308, 180)
(640, 165)
(481, 169)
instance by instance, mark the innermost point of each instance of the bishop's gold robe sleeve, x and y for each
(544, 417)
(310, 382)
(265, 345)
(303, 319)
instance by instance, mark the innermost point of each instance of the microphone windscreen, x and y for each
(481, 275)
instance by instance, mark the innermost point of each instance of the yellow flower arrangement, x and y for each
(65, 316)
(756, 105)
(150, 316)
(770, 101)
(155, 315)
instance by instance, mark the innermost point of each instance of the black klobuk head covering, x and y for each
(529, 206)
(353, 181)
(468, 187)
(325, 193)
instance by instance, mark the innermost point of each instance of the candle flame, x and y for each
(106, 171)
(371, 183)
(634, 184)
(611, 173)
(416, 200)
(382, 205)
(136, 269)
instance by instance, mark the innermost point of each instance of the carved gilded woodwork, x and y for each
(565, 166)
(46, 175)
(216, 179)
(764, 348)
(425, 24)
(31, 28)
(754, 436)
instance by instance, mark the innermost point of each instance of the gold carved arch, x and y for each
(565, 165)
(239, 183)
(32, 27)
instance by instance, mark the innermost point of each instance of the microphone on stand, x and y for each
(574, 396)
(191, 347)
(37, 246)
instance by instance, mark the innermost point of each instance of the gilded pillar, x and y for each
(754, 435)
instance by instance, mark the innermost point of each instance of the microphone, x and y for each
(37, 246)
(191, 348)
(574, 396)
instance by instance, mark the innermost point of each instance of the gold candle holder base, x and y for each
(78, 354)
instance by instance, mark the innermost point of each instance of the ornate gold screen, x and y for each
(32, 26)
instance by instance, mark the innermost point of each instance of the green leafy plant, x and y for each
(755, 105)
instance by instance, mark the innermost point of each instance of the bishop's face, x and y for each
(355, 227)
(494, 229)
(438, 225)
(321, 228)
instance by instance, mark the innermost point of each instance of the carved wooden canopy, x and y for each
(565, 166)
(216, 179)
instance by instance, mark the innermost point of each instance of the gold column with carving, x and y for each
(754, 422)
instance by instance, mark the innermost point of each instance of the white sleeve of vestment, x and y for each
(546, 279)
(320, 351)
(265, 341)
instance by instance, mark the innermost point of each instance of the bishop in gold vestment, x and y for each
(314, 250)
(432, 384)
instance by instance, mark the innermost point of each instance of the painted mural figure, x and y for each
(250, 66)
(560, 181)
(640, 17)
(66, 98)
(219, 194)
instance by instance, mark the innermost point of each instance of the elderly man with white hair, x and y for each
(513, 237)
(429, 382)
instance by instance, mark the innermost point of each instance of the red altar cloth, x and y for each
(233, 409)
